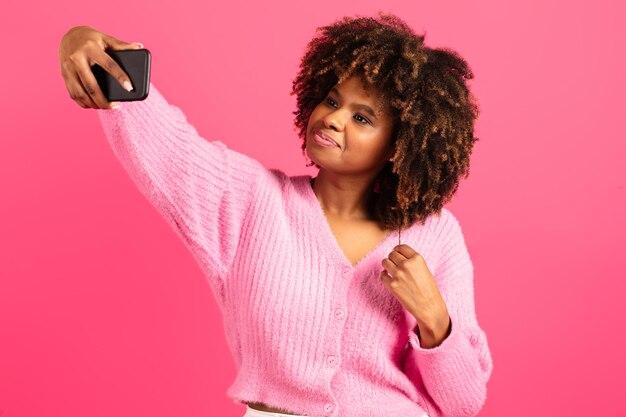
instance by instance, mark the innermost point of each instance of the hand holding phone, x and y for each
(81, 48)
(135, 63)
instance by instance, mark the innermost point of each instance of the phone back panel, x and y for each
(136, 63)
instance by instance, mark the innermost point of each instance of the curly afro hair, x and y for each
(425, 88)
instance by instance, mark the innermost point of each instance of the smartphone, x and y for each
(136, 63)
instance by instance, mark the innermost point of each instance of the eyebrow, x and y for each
(365, 107)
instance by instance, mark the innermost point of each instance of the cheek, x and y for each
(368, 149)
(314, 115)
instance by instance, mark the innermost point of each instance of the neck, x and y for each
(344, 197)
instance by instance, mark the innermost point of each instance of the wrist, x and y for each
(432, 333)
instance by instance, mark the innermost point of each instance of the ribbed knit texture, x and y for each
(309, 332)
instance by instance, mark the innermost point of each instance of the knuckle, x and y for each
(415, 259)
(73, 58)
(110, 64)
(90, 88)
(90, 43)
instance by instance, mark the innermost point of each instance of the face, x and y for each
(353, 116)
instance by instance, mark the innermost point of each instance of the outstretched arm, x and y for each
(202, 188)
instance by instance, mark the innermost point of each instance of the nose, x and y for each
(334, 120)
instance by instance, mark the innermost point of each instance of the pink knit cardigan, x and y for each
(308, 331)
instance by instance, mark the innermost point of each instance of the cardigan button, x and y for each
(339, 313)
(346, 271)
(329, 407)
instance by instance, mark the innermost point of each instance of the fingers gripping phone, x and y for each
(136, 63)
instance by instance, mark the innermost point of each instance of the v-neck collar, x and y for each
(328, 235)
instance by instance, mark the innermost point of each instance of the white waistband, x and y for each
(251, 412)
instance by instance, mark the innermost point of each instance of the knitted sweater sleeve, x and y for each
(201, 188)
(454, 373)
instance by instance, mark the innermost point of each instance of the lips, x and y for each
(325, 136)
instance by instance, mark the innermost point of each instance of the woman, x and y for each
(323, 313)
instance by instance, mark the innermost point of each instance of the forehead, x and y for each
(356, 86)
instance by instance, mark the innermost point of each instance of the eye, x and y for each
(365, 120)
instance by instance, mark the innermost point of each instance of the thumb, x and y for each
(118, 45)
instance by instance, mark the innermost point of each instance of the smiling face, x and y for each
(352, 115)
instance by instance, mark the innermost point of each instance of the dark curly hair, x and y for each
(425, 89)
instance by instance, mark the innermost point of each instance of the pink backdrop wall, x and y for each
(102, 310)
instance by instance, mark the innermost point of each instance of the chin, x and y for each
(311, 155)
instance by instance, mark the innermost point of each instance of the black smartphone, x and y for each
(136, 63)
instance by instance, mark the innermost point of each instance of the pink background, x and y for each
(103, 311)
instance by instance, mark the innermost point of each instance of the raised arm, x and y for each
(202, 188)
